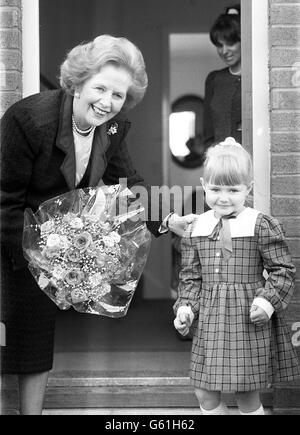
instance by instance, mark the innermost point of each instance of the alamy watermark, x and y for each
(296, 335)
(159, 201)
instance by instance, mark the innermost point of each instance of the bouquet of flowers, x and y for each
(87, 249)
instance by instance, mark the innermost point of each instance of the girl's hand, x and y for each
(258, 316)
(182, 323)
(178, 224)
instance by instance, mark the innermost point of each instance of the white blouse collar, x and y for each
(242, 226)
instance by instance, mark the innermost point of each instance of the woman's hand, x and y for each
(258, 316)
(182, 323)
(178, 224)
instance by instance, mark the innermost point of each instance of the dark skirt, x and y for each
(29, 318)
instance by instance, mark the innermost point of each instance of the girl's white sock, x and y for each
(221, 409)
(259, 411)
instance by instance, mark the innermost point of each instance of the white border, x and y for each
(30, 47)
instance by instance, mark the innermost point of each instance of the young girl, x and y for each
(240, 339)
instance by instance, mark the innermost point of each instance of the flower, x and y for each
(64, 243)
(47, 227)
(74, 277)
(43, 281)
(108, 241)
(53, 241)
(113, 129)
(59, 272)
(95, 280)
(100, 257)
(97, 293)
(78, 296)
(73, 220)
(51, 253)
(115, 236)
(82, 241)
(76, 223)
(73, 255)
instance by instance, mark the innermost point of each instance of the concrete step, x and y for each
(79, 391)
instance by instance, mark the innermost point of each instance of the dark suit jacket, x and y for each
(38, 161)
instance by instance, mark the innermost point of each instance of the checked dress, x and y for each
(229, 352)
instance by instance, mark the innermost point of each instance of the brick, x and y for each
(293, 313)
(285, 142)
(291, 226)
(294, 247)
(7, 99)
(286, 164)
(285, 99)
(285, 121)
(297, 265)
(285, 14)
(10, 38)
(283, 57)
(10, 60)
(10, 80)
(285, 77)
(281, 206)
(10, 18)
(11, 3)
(285, 36)
(296, 296)
(286, 185)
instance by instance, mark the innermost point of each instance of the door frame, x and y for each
(30, 47)
(255, 92)
(256, 96)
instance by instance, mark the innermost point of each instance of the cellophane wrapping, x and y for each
(87, 249)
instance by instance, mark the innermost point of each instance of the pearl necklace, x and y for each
(82, 132)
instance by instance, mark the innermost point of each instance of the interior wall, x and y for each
(187, 76)
(68, 22)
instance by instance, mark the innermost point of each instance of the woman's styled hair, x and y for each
(87, 59)
(227, 27)
(228, 164)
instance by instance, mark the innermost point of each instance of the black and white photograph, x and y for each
(150, 210)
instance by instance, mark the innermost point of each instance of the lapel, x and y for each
(65, 143)
(101, 143)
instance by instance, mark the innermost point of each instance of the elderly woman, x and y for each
(222, 104)
(54, 142)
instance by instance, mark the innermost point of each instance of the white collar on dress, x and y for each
(242, 226)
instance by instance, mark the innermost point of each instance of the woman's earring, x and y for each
(76, 94)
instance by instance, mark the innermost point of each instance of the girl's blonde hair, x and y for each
(87, 59)
(228, 164)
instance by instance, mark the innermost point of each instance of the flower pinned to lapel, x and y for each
(113, 129)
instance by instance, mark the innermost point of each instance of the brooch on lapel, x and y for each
(113, 129)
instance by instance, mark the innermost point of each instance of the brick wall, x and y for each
(285, 152)
(10, 53)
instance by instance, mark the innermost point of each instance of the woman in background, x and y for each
(222, 104)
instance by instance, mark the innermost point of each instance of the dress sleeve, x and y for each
(208, 126)
(277, 262)
(189, 277)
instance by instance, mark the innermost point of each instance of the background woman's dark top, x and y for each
(222, 107)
